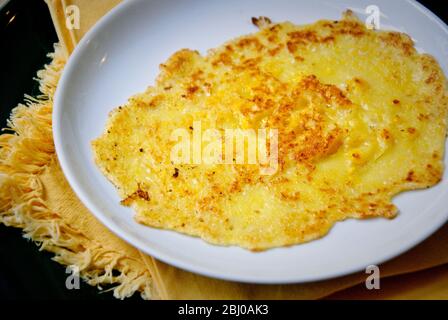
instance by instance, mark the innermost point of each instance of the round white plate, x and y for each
(120, 56)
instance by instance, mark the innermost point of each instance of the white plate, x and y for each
(120, 56)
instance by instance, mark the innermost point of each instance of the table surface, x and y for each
(27, 35)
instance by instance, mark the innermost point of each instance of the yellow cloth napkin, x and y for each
(35, 196)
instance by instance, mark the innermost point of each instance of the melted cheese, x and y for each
(361, 117)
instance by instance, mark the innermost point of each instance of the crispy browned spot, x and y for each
(138, 194)
(261, 22)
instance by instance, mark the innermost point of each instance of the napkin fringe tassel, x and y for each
(25, 151)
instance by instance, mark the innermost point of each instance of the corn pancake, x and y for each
(361, 116)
